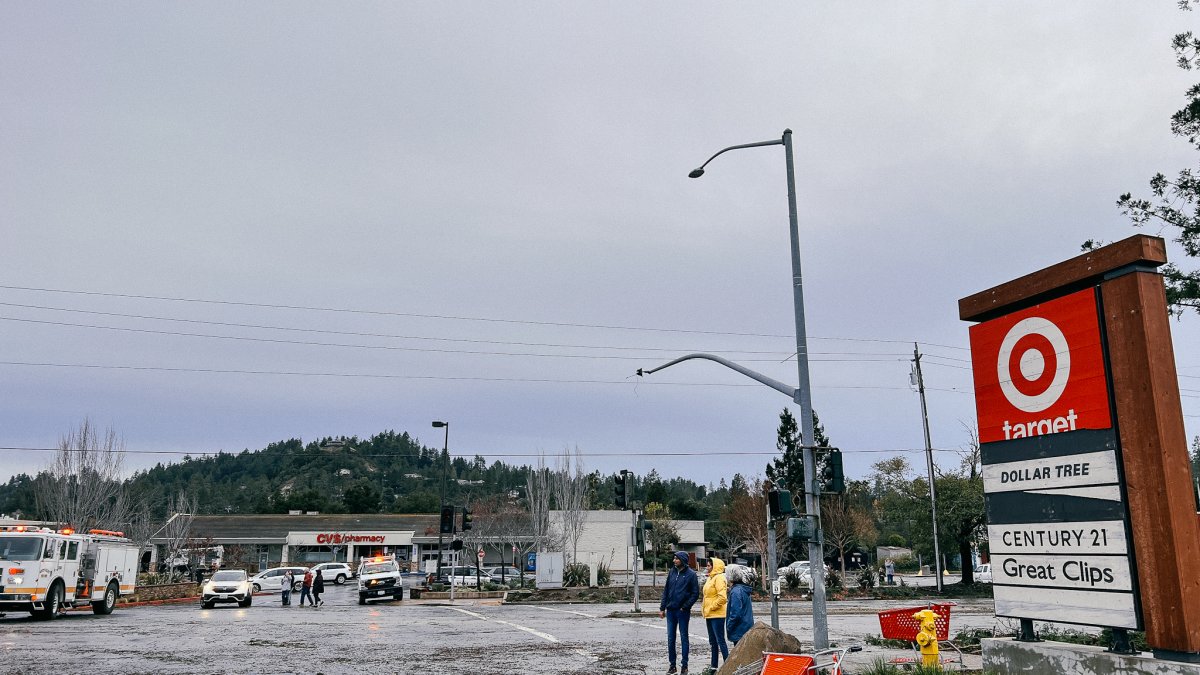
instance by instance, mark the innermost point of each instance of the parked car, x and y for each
(227, 586)
(337, 572)
(983, 573)
(272, 579)
(505, 573)
(462, 575)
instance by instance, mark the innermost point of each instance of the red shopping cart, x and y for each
(826, 661)
(899, 624)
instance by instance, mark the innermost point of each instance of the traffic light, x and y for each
(456, 545)
(832, 479)
(467, 518)
(620, 489)
(780, 503)
(447, 525)
(640, 534)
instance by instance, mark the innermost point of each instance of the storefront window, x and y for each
(316, 554)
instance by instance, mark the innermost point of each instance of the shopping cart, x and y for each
(900, 624)
(826, 661)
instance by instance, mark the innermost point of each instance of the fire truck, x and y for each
(43, 571)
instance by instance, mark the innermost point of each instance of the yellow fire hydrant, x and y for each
(927, 637)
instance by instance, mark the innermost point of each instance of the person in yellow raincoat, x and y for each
(716, 597)
(927, 637)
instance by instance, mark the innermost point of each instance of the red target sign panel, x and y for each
(1041, 370)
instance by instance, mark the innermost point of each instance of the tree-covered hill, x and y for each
(388, 472)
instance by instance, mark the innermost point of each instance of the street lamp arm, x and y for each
(788, 391)
(700, 171)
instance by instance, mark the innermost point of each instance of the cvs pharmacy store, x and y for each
(268, 540)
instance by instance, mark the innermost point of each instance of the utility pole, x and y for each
(637, 564)
(772, 568)
(920, 382)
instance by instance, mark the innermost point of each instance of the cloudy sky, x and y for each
(227, 224)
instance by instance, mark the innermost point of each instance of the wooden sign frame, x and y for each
(1164, 523)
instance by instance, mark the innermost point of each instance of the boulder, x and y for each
(760, 638)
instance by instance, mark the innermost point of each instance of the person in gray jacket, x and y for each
(739, 615)
(679, 594)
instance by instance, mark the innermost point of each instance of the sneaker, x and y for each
(671, 670)
(683, 671)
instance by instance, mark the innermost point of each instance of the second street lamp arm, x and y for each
(790, 392)
(696, 173)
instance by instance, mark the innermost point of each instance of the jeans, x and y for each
(316, 597)
(304, 593)
(680, 618)
(287, 595)
(716, 639)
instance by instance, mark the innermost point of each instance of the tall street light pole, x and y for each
(445, 468)
(803, 393)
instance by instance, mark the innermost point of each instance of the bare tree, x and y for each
(176, 532)
(513, 530)
(747, 519)
(845, 525)
(84, 487)
(661, 533)
(571, 497)
(538, 485)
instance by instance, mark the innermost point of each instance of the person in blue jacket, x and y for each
(739, 615)
(679, 594)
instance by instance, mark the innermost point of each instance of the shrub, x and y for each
(906, 564)
(867, 576)
(603, 575)
(576, 574)
(833, 581)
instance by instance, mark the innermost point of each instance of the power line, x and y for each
(325, 331)
(232, 371)
(312, 343)
(369, 312)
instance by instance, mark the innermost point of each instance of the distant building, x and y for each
(607, 538)
(259, 541)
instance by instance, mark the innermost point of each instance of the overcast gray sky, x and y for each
(494, 199)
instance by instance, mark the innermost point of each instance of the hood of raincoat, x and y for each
(716, 591)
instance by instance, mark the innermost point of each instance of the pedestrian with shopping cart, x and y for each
(679, 594)
(716, 597)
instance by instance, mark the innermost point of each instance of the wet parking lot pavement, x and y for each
(479, 637)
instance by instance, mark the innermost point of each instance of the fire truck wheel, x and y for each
(53, 602)
(105, 606)
(341, 579)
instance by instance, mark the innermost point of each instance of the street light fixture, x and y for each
(801, 395)
(445, 469)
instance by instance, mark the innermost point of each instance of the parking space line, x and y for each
(703, 638)
(566, 611)
(531, 631)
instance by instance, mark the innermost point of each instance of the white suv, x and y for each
(337, 572)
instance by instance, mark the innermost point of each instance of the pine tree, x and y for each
(787, 470)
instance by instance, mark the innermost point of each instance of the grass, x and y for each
(881, 667)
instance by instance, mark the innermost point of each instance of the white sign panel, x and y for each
(1068, 606)
(1092, 468)
(1085, 572)
(1091, 537)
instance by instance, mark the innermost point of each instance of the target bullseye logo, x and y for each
(1034, 364)
(1041, 370)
